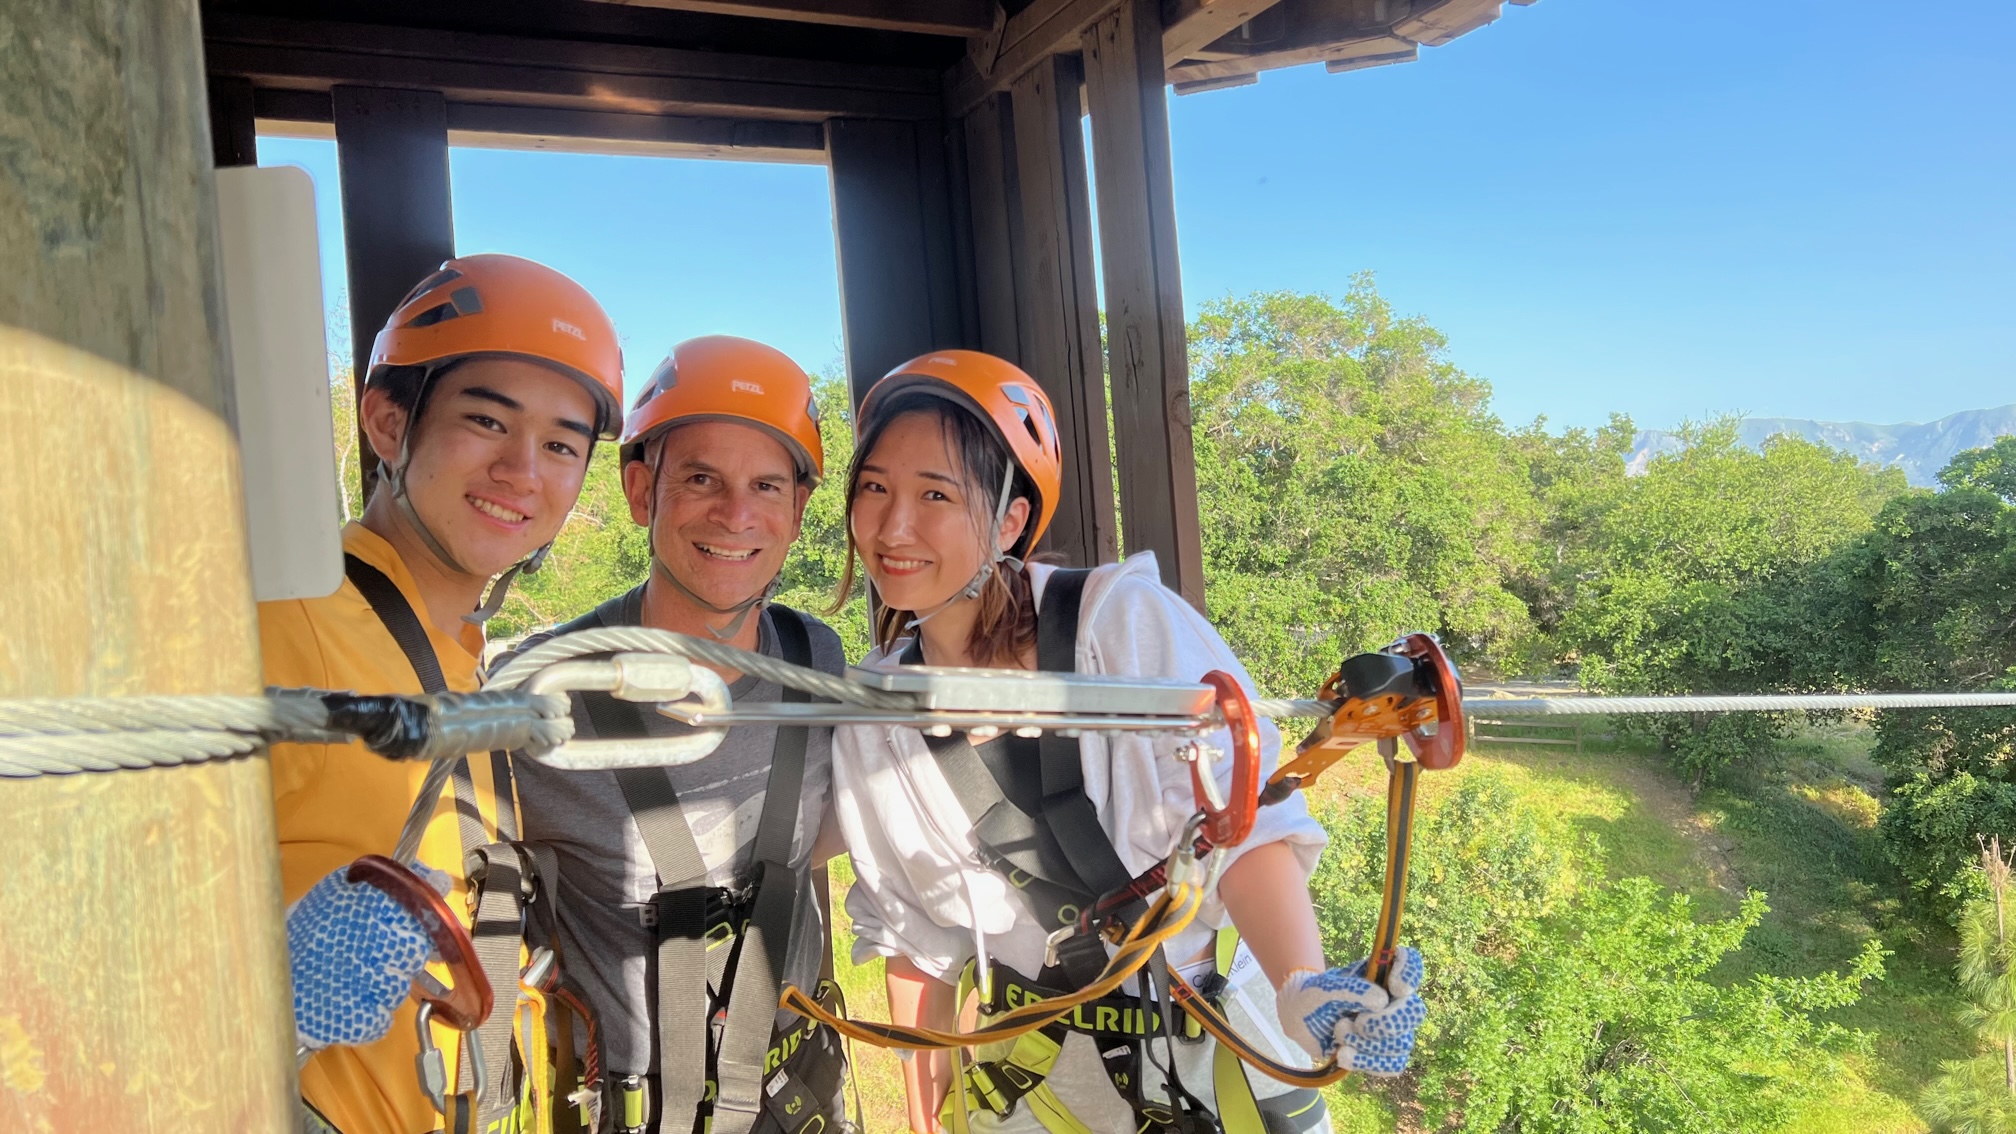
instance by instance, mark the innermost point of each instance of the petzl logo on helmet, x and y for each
(561, 326)
(742, 387)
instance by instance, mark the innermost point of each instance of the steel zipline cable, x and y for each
(42, 737)
(1285, 709)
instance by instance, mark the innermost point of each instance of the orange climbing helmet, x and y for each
(998, 393)
(723, 378)
(505, 305)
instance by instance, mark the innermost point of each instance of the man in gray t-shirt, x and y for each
(720, 452)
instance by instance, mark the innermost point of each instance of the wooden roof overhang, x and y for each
(953, 131)
(753, 79)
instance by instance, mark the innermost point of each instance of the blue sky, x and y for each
(1798, 209)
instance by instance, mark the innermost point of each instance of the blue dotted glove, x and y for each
(354, 953)
(1338, 1012)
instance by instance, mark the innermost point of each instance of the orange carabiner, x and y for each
(466, 1003)
(1229, 825)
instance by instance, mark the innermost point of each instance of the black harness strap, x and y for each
(760, 955)
(498, 929)
(410, 633)
(752, 972)
(1067, 812)
(679, 908)
(1026, 798)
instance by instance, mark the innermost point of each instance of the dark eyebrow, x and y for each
(486, 394)
(695, 464)
(940, 477)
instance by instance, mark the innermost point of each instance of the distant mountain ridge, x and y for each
(1920, 450)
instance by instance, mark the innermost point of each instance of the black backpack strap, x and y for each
(760, 955)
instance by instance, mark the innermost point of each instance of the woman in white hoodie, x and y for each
(969, 851)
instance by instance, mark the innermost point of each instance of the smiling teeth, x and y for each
(724, 553)
(902, 564)
(497, 510)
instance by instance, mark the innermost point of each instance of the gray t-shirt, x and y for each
(606, 874)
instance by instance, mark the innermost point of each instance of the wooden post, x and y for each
(234, 136)
(142, 976)
(892, 223)
(1057, 303)
(994, 194)
(398, 223)
(1144, 292)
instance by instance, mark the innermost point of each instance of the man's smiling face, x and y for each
(724, 506)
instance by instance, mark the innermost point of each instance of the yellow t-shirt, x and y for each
(337, 803)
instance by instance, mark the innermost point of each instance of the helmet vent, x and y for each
(444, 276)
(439, 313)
(466, 301)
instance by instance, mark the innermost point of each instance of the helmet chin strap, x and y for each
(660, 568)
(396, 481)
(988, 568)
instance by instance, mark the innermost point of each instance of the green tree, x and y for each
(1927, 600)
(1693, 578)
(1562, 1002)
(1978, 1096)
(819, 560)
(1352, 483)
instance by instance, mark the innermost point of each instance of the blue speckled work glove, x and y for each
(1338, 1012)
(354, 953)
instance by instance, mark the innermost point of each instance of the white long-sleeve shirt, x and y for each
(921, 893)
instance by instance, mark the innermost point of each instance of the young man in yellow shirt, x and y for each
(487, 391)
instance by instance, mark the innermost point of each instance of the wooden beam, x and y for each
(1435, 23)
(1047, 27)
(1029, 38)
(141, 945)
(1058, 303)
(928, 17)
(398, 223)
(491, 126)
(1372, 50)
(563, 74)
(1348, 35)
(1146, 355)
(995, 207)
(652, 135)
(1188, 26)
(899, 295)
(234, 139)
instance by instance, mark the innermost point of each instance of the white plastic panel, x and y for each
(279, 362)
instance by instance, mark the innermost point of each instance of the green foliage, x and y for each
(1979, 1094)
(819, 559)
(1694, 577)
(1927, 600)
(1563, 1002)
(1352, 484)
